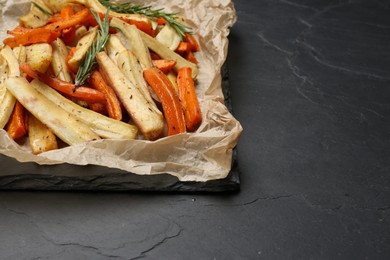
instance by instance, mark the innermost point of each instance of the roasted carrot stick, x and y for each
(183, 47)
(154, 55)
(98, 108)
(187, 49)
(69, 33)
(47, 33)
(113, 106)
(19, 30)
(142, 26)
(39, 35)
(66, 12)
(164, 65)
(86, 94)
(73, 20)
(55, 18)
(16, 127)
(194, 46)
(188, 98)
(161, 21)
(164, 90)
(190, 57)
(89, 20)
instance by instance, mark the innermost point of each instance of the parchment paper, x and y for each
(200, 156)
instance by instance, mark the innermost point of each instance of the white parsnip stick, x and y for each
(68, 128)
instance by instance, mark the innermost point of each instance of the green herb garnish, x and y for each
(129, 8)
(89, 63)
(43, 10)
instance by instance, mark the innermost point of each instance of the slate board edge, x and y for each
(29, 179)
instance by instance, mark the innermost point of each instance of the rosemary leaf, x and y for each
(130, 8)
(89, 63)
(43, 10)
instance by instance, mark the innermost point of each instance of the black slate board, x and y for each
(31, 176)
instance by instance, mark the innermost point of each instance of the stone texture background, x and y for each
(310, 84)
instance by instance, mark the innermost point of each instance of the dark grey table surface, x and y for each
(310, 84)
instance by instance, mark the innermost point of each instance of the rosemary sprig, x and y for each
(43, 10)
(129, 8)
(89, 63)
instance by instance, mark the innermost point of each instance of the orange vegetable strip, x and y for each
(164, 65)
(188, 99)
(26, 68)
(39, 35)
(89, 20)
(86, 94)
(113, 105)
(142, 26)
(183, 47)
(74, 20)
(69, 33)
(16, 127)
(55, 18)
(190, 57)
(98, 108)
(161, 21)
(194, 46)
(67, 12)
(164, 90)
(64, 20)
(154, 55)
(19, 30)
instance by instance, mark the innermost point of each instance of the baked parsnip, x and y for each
(41, 138)
(82, 48)
(38, 15)
(39, 56)
(169, 37)
(68, 128)
(20, 53)
(168, 54)
(149, 121)
(60, 52)
(128, 64)
(103, 126)
(9, 67)
(133, 36)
